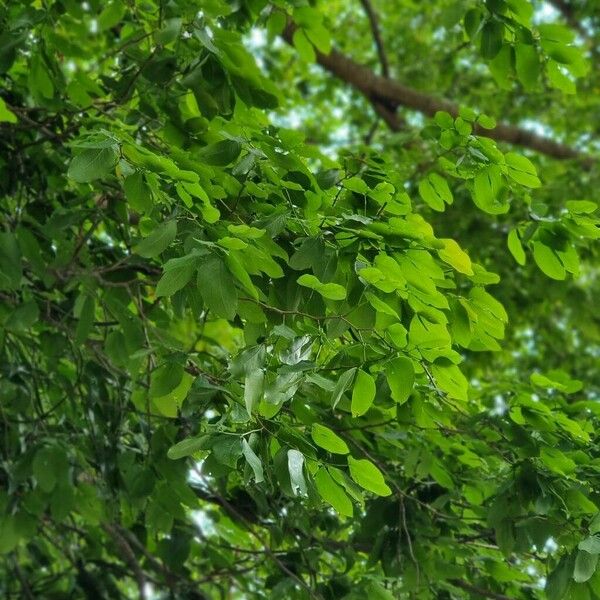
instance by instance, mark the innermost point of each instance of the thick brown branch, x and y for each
(389, 92)
(393, 121)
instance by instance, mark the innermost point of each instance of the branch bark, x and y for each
(391, 93)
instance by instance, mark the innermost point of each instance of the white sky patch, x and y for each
(500, 406)
(257, 38)
(204, 522)
(416, 119)
(550, 546)
(195, 475)
(537, 127)
(546, 13)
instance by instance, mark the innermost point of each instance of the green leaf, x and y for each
(9, 535)
(10, 262)
(328, 440)
(23, 317)
(581, 206)
(486, 122)
(331, 291)
(111, 14)
(188, 447)
(557, 461)
(319, 36)
(501, 67)
(376, 591)
(158, 241)
(49, 464)
(522, 170)
(380, 306)
(489, 191)
(303, 46)
(6, 115)
(515, 247)
(333, 493)
(40, 81)
(253, 389)
(527, 65)
(435, 192)
(295, 461)
(400, 375)
(368, 476)
(165, 379)
(92, 164)
(363, 393)
(590, 544)
(585, 566)
(217, 287)
(398, 335)
(177, 273)
(254, 462)
(455, 256)
(220, 154)
(138, 192)
(558, 581)
(356, 184)
(548, 261)
(472, 22)
(241, 274)
(228, 450)
(170, 403)
(86, 319)
(275, 24)
(343, 383)
(450, 379)
(492, 38)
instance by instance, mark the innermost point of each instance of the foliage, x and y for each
(254, 344)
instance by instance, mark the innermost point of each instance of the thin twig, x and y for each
(375, 29)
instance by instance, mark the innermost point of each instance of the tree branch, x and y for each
(388, 114)
(391, 93)
(479, 592)
(128, 556)
(374, 22)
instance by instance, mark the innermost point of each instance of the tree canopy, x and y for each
(298, 299)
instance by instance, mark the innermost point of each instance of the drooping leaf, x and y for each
(333, 493)
(400, 375)
(368, 476)
(188, 447)
(158, 241)
(585, 566)
(343, 383)
(254, 462)
(363, 393)
(217, 287)
(295, 460)
(327, 439)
